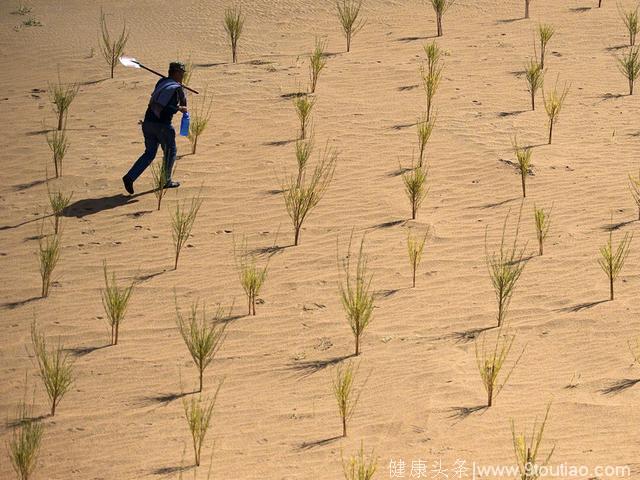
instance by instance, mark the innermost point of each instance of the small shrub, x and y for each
(629, 65)
(304, 106)
(112, 48)
(198, 413)
(303, 153)
(24, 445)
(54, 365)
(348, 13)
(48, 255)
(189, 68)
(62, 96)
(553, 105)
(630, 19)
(203, 337)
(301, 197)
(527, 450)
(356, 293)
(317, 62)
(357, 467)
(200, 116)
(432, 74)
(233, 25)
(545, 33)
(634, 186)
(159, 177)
(491, 360)
(543, 223)
(415, 186)
(182, 220)
(59, 202)
(252, 277)
(523, 160)
(425, 129)
(344, 391)
(58, 144)
(32, 22)
(22, 9)
(535, 79)
(115, 300)
(415, 247)
(441, 7)
(612, 261)
(505, 267)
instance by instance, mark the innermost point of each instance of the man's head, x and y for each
(176, 71)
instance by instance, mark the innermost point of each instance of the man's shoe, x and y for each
(128, 185)
(172, 184)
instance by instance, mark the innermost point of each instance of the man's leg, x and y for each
(170, 151)
(149, 130)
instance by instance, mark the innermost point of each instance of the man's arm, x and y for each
(182, 101)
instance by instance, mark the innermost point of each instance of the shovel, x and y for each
(133, 63)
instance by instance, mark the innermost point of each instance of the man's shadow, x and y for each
(90, 206)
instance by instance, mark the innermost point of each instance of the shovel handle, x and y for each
(163, 76)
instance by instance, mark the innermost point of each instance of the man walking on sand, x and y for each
(167, 99)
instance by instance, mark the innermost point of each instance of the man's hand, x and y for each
(182, 109)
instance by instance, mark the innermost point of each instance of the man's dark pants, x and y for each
(155, 134)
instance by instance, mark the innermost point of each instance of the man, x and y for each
(167, 99)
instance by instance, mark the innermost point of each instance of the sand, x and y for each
(276, 417)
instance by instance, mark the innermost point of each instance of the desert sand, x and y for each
(276, 417)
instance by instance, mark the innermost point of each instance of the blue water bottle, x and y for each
(184, 124)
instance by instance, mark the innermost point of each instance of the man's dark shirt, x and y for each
(178, 99)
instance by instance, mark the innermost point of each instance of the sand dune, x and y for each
(276, 417)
